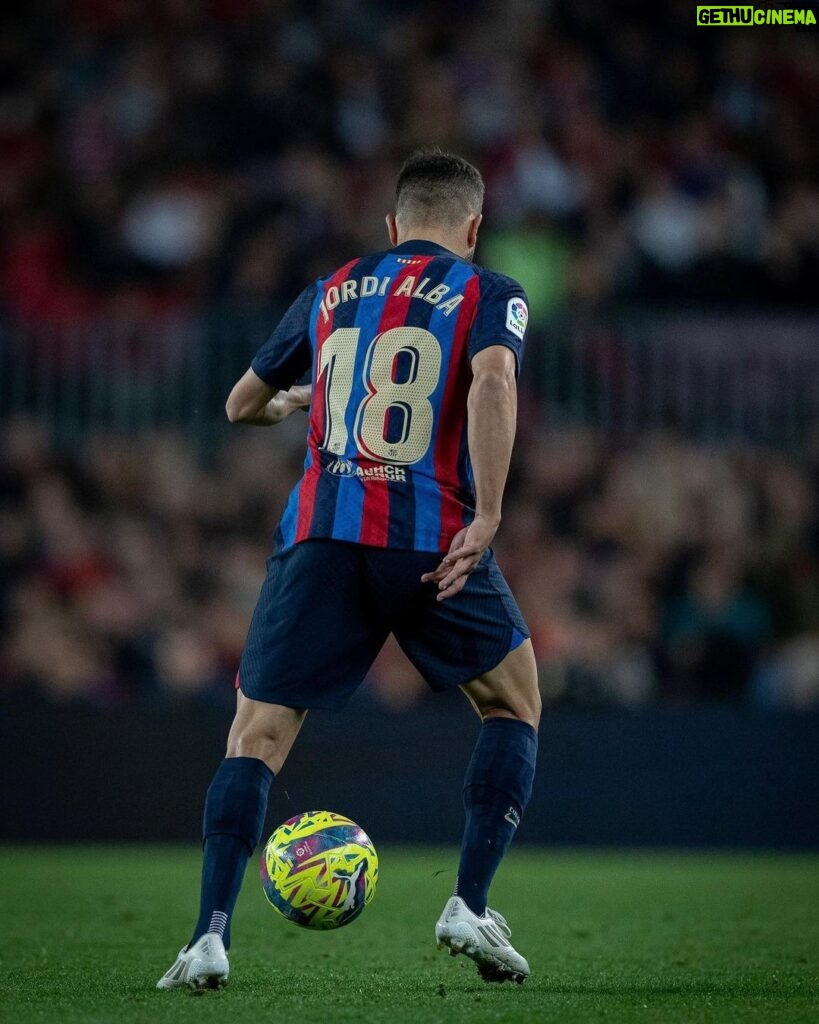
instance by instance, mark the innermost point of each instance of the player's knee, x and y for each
(520, 700)
(251, 744)
(263, 731)
(246, 744)
(524, 706)
(535, 706)
(266, 745)
(511, 690)
(527, 700)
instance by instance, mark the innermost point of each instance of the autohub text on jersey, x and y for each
(344, 467)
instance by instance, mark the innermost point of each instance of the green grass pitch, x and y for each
(611, 937)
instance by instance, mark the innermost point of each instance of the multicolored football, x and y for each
(319, 870)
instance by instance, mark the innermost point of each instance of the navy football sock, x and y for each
(235, 810)
(497, 788)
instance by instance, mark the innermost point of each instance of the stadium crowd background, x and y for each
(161, 161)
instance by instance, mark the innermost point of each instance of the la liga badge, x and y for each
(517, 317)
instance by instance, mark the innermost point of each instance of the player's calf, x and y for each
(498, 781)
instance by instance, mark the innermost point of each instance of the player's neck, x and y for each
(444, 239)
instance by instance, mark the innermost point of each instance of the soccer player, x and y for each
(414, 354)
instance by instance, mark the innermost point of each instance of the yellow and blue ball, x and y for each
(319, 870)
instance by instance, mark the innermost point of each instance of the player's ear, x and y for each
(472, 230)
(392, 229)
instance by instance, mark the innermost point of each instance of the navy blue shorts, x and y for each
(326, 608)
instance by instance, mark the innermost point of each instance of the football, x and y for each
(319, 870)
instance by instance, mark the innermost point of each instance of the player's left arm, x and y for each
(267, 393)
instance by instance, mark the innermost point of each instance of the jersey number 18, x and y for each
(394, 420)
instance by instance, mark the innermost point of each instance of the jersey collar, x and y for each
(421, 247)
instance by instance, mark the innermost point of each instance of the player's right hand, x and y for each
(299, 396)
(465, 551)
(285, 403)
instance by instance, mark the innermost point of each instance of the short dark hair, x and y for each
(437, 187)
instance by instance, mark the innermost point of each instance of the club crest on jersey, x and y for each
(517, 317)
(344, 467)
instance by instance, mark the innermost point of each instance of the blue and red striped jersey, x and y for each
(390, 338)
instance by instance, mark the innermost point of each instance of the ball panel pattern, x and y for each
(319, 870)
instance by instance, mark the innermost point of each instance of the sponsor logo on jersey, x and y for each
(345, 467)
(517, 317)
(341, 467)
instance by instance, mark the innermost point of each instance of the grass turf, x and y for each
(617, 937)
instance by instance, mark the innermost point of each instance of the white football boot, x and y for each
(204, 965)
(483, 939)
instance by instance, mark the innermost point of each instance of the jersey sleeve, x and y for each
(286, 355)
(501, 318)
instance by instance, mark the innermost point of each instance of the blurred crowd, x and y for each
(165, 159)
(161, 155)
(656, 572)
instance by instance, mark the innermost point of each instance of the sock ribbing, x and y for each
(218, 923)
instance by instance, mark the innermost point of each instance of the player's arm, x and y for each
(267, 393)
(256, 403)
(492, 409)
(496, 343)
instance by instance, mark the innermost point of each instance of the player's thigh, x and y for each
(313, 635)
(468, 638)
(510, 689)
(263, 730)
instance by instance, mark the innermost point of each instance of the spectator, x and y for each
(660, 571)
(145, 148)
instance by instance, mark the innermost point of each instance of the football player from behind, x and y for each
(414, 353)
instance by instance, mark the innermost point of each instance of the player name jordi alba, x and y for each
(368, 286)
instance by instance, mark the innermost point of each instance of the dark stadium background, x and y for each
(173, 173)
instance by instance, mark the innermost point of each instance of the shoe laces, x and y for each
(500, 921)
